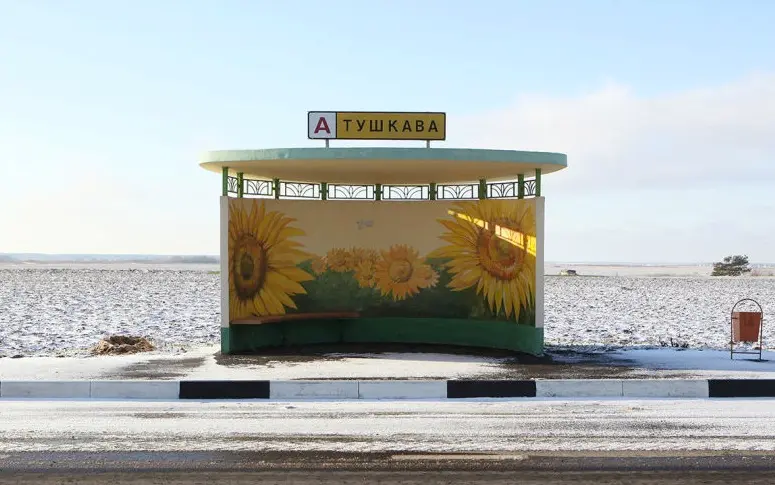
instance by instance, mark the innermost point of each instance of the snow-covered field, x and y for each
(648, 311)
(49, 311)
(52, 311)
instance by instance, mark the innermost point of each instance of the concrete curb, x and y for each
(389, 389)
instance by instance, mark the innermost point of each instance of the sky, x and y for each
(665, 109)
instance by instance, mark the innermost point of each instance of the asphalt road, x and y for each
(539, 441)
(398, 477)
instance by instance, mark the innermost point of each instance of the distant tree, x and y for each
(731, 266)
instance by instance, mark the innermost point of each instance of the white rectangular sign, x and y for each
(321, 125)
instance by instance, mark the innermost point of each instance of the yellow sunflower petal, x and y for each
(259, 306)
(508, 300)
(270, 300)
(295, 274)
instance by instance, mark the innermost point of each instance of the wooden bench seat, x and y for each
(293, 317)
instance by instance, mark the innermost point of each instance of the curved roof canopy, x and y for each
(383, 165)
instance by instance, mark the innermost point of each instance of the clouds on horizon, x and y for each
(682, 176)
(700, 137)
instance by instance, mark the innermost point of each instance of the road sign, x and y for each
(376, 125)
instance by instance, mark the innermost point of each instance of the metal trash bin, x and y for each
(746, 327)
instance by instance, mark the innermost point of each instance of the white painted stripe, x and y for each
(666, 388)
(402, 389)
(45, 389)
(313, 389)
(579, 388)
(135, 389)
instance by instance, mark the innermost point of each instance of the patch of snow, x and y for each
(89, 368)
(713, 363)
(378, 366)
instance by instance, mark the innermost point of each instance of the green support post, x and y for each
(521, 186)
(432, 191)
(538, 182)
(377, 191)
(240, 184)
(225, 181)
(482, 189)
(276, 187)
(323, 191)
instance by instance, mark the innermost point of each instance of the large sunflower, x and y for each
(365, 274)
(362, 255)
(339, 260)
(492, 246)
(401, 273)
(263, 272)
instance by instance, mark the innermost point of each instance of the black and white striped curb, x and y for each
(389, 389)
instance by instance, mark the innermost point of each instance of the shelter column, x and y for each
(538, 182)
(225, 181)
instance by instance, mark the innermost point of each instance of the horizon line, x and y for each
(210, 255)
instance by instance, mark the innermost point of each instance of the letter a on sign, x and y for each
(321, 125)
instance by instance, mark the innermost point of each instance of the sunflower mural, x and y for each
(492, 248)
(477, 261)
(401, 273)
(366, 274)
(340, 260)
(263, 260)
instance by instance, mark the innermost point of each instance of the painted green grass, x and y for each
(340, 292)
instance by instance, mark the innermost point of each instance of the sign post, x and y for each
(376, 125)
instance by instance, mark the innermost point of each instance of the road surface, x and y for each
(544, 441)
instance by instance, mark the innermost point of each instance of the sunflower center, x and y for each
(248, 267)
(498, 256)
(400, 271)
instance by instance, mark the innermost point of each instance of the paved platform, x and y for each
(389, 362)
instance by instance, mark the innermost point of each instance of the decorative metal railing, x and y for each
(406, 192)
(508, 190)
(302, 190)
(297, 190)
(255, 188)
(351, 192)
(233, 184)
(458, 191)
